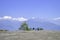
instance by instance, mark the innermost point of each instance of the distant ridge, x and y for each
(41, 23)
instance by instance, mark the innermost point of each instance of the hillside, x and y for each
(30, 35)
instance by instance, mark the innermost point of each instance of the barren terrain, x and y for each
(30, 35)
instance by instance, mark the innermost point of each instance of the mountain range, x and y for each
(41, 23)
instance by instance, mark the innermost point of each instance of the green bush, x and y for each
(3, 30)
(41, 29)
(24, 26)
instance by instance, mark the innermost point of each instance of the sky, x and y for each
(30, 8)
(22, 10)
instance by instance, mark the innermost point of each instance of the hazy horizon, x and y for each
(23, 10)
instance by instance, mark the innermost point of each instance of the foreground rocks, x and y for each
(30, 35)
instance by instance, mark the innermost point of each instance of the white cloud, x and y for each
(57, 18)
(0, 18)
(33, 17)
(14, 18)
(7, 17)
(11, 18)
(22, 19)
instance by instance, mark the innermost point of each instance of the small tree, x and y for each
(24, 26)
(38, 29)
(33, 28)
(3, 30)
(41, 29)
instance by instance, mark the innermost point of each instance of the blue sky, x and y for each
(30, 8)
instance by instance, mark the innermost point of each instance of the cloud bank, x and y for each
(22, 18)
(57, 18)
(11, 18)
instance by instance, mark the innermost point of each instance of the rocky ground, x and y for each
(30, 35)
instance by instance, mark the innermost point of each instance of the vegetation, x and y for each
(24, 26)
(33, 28)
(40, 29)
(3, 30)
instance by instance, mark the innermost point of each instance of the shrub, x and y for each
(24, 26)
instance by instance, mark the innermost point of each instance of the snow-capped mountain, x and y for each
(9, 24)
(47, 25)
(14, 24)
